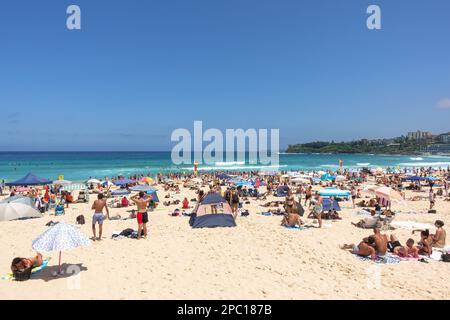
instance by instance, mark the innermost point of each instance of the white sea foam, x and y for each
(230, 163)
(248, 167)
(363, 164)
(424, 164)
(417, 159)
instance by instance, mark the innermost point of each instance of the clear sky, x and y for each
(139, 69)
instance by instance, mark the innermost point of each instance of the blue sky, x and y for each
(139, 69)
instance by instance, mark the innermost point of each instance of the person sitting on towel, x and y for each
(291, 220)
(368, 222)
(410, 250)
(364, 249)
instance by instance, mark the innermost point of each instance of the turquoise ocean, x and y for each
(79, 166)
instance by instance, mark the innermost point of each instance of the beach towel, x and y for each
(387, 259)
(411, 225)
(266, 214)
(294, 227)
(34, 271)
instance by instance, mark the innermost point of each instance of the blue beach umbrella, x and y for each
(123, 182)
(120, 192)
(143, 188)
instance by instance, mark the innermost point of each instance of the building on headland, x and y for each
(444, 138)
(419, 135)
(439, 148)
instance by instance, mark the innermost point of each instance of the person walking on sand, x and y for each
(353, 193)
(142, 216)
(431, 198)
(98, 216)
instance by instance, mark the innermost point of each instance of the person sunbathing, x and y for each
(21, 264)
(368, 222)
(424, 244)
(364, 248)
(362, 204)
(410, 250)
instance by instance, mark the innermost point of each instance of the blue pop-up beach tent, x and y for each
(329, 205)
(29, 180)
(154, 195)
(202, 217)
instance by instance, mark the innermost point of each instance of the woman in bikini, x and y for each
(21, 264)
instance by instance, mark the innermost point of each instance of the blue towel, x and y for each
(294, 227)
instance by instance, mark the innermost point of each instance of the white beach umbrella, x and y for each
(300, 180)
(94, 181)
(340, 178)
(62, 182)
(16, 210)
(60, 237)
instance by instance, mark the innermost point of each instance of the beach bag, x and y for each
(446, 257)
(22, 275)
(127, 232)
(80, 219)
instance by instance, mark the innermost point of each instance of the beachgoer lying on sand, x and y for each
(21, 264)
(368, 222)
(363, 249)
(362, 204)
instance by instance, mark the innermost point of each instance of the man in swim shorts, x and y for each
(363, 249)
(98, 216)
(142, 216)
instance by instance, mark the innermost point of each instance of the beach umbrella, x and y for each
(223, 176)
(62, 182)
(300, 180)
(340, 178)
(147, 180)
(29, 180)
(334, 192)
(60, 237)
(120, 192)
(143, 188)
(18, 208)
(389, 194)
(107, 184)
(123, 182)
(93, 181)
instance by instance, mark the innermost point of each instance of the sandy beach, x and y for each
(258, 259)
